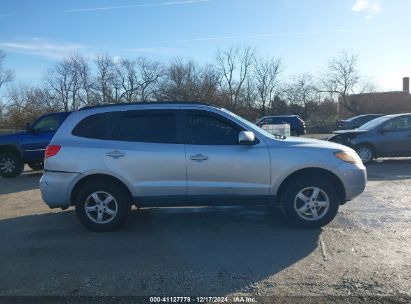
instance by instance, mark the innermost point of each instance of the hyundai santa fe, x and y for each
(105, 159)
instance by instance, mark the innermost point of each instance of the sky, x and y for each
(305, 34)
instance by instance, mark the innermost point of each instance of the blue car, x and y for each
(28, 147)
(297, 125)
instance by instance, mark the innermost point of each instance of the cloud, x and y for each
(255, 36)
(135, 6)
(369, 7)
(41, 47)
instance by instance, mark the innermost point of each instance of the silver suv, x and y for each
(103, 159)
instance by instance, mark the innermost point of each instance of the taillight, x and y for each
(52, 150)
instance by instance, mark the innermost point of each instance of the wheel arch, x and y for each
(11, 148)
(96, 178)
(313, 171)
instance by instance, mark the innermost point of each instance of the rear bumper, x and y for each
(354, 179)
(56, 188)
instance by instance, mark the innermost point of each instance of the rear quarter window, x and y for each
(96, 126)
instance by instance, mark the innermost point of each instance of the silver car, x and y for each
(104, 159)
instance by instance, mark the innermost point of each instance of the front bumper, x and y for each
(56, 188)
(354, 179)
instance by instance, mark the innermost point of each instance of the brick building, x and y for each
(382, 102)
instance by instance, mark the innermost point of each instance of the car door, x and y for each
(36, 140)
(145, 149)
(217, 165)
(394, 138)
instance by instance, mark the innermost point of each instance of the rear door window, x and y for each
(151, 126)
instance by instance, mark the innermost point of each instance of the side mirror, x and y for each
(246, 138)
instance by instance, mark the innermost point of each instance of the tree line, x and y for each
(238, 78)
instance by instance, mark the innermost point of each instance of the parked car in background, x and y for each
(28, 147)
(103, 159)
(297, 125)
(386, 136)
(356, 121)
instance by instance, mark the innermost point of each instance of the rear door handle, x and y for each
(198, 157)
(115, 154)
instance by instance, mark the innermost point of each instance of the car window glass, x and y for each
(47, 124)
(207, 130)
(151, 128)
(402, 123)
(95, 126)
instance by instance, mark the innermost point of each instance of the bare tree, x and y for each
(27, 103)
(106, 77)
(266, 73)
(149, 74)
(84, 80)
(342, 78)
(60, 82)
(5, 75)
(300, 92)
(181, 81)
(126, 80)
(234, 65)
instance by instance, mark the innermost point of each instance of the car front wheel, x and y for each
(366, 153)
(102, 207)
(310, 202)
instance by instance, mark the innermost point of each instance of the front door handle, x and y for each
(198, 157)
(115, 154)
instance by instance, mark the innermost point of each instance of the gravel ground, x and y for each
(364, 253)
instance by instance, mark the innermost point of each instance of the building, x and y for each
(377, 103)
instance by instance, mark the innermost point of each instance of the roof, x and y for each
(397, 115)
(122, 104)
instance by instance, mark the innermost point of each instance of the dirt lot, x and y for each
(366, 251)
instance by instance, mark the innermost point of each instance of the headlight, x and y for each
(349, 157)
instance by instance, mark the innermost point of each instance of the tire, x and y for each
(119, 206)
(36, 166)
(298, 195)
(366, 153)
(11, 165)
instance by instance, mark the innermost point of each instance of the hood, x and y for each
(10, 137)
(353, 131)
(302, 142)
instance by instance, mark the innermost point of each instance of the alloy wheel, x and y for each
(311, 203)
(101, 207)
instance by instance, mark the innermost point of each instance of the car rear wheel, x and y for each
(366, 153)
(310, 202)
(102, 207)
(36, 166)
(11, 165)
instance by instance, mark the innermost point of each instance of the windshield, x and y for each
(374, 123)
(253, 126)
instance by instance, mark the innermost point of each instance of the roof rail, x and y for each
(145, 103)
